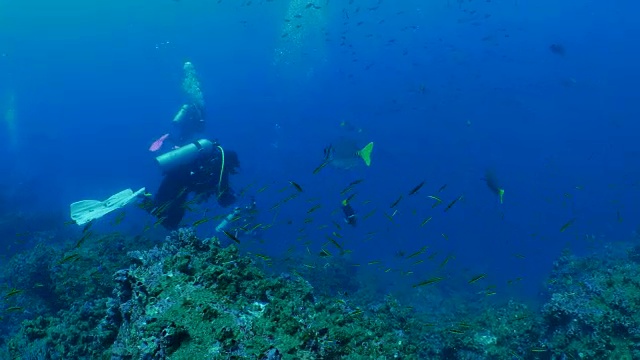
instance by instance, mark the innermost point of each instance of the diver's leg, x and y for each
(169, 201)
(173, 215)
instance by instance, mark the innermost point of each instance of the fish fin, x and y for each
(365, 153)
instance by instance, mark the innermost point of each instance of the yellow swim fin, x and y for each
(365, 153)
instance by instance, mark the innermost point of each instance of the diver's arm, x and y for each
(225, 194)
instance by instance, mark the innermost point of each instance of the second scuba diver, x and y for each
(190, 118)
(241, 221)
(189, 121)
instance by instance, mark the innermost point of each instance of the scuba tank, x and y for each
(225, 222)
(184, 155)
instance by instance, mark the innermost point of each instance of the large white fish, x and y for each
(344, 153)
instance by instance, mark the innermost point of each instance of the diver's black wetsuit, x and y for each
(201, 177)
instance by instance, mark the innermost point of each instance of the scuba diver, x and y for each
(349, 212)
(189, 121)
(244, 220)
(193, 166)
(201, 167)
(190, 117)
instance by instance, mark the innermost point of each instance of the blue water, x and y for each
(445, 89)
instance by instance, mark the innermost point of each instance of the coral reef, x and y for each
(591, 310)
(192, 298)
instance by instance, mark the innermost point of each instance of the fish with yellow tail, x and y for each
(493, 184)
(344, 153)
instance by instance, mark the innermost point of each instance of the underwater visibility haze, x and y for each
(319, 179)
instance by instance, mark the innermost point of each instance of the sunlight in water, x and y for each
(301, 42)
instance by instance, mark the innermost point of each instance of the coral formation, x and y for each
(192, 298)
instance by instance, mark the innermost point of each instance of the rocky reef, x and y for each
(119, 297)
(592, 307)
(194, 299)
